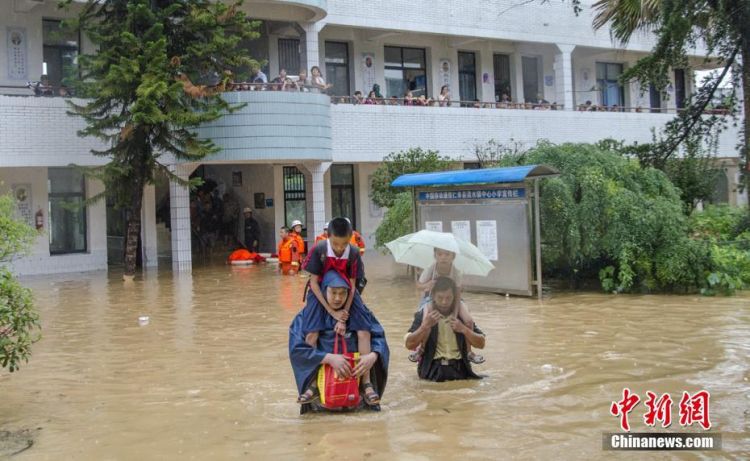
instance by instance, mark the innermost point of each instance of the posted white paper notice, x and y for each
(436, 226)
(487, 239)
(461, 229)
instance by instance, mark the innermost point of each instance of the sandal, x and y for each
(371, 398)
(308, 397)
(475, 358)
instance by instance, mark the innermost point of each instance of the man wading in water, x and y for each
(443, 337)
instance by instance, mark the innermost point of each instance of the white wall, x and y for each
(366, 133)
(38, 132)
(540, 22)
(40, 261)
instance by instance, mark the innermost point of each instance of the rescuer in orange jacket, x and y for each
(322, 236)
(296, 233)
(289, 255)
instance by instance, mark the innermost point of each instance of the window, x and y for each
(337, 68)
(289, 55)
(467, 77)
(405, 69)
(295, 205)
(66, 211)
(472, 166)
(531, 68)
(679, 88)
(342, 192)
(654, 96)
(501, 67)
(60, 53)
(611, 92)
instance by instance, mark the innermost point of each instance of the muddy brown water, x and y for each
(209, 378)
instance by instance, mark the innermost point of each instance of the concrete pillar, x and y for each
(517, 85)
(564, 76)
(316, 204)
(486, 89)
(148, 227)
(311, 50)
(179, 206)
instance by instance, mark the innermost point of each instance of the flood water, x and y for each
(209, 376)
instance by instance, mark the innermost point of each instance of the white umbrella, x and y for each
(418, 249)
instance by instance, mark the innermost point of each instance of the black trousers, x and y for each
(447, 370)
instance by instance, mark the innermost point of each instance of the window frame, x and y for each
(76, 48)
(84, 212)
(602, 91)
(346, 65)
(404, 69)
(338, 189)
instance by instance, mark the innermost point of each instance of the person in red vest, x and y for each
(289, 255)
(296, 233)
(322, 236)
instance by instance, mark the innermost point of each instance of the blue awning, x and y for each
(486, 176)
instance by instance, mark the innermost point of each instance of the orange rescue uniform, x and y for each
(289, 256)
(321, 237)
(358, 241)
(300, 242)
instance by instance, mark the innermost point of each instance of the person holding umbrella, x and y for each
(441, 254)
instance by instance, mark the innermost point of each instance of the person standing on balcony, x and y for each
(317, 81)
(279, 81)
(257, 75)
(444, 98)
(303, 84)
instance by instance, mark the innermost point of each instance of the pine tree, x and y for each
(140, 97)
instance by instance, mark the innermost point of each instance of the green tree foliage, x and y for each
(607, 217)
(398, 219)
(395, 164)
(721, 27)
(695, 173)
(143, 102)
(726, 232)
(19, 322)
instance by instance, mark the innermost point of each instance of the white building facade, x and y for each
(310, 156)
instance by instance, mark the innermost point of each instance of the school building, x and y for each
(516, 72)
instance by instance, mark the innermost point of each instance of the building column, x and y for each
(179, 207)
(148, 227)
(564, 76)
(311, 51)
(486, 90)
(517, 86)
(316, 206)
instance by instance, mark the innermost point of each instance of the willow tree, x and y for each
(142, 101)
(721, 28)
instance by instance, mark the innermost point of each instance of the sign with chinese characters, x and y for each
(368, 71)
(461, 229)
(498, 193)
(445, 72)
(487, 238)
(22, 194)
(17, 54)
(436, 226)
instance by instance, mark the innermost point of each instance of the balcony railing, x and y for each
(41, 90)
